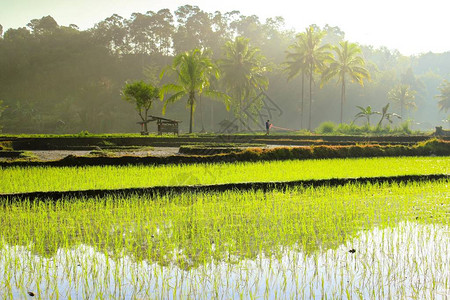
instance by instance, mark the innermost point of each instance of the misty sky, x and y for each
(412, 26)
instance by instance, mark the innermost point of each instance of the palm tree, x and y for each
(366, 113)
(387, 116)
(315, 57)
(243, 72)
(296, 64)
(403, 95)
(347, 63)
(194, 70)
(444, 96)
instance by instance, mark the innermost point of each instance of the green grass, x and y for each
(85, 134)
(100, 246)
(27, 179)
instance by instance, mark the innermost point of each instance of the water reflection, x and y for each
(408, 260)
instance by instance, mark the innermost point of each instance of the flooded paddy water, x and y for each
(357, 241)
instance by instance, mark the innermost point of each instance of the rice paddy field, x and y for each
(30, 179)
(354, 241)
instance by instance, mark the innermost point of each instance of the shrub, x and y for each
(357, 151)
(351, 128)
(7, 146)
(433, 147)
(324, 152)
(251, 154)
(326, 128)
(83, 133)
(302, 152)
(404, 128)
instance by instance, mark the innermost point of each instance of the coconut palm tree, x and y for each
(404, 96)
(315, 57)
(193, 70)
(347, 63)
(444, 96)
(296, 64)
(242, 72)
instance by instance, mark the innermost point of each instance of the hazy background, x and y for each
(410, 26)
(56, 77)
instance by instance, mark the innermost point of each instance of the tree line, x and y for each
(59, 79)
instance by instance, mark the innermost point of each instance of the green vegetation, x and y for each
(194, 70)
(347, 63)
(214, 148)
(444, 96)
(2, 109)
(243, 69)
(6, 145)
(27, 179)
(331, 128)
(77, 73)
(315, 55)
(142, 95)
(186, 245)
(404, 96)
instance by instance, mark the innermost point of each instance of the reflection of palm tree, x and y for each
(296, 64)
(242, 70)
(403, 95)
(193, 70)
(444, 96)
(315, 57)
(348, 62)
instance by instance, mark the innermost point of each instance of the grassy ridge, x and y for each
(29, 179)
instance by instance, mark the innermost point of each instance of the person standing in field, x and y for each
(268, 125)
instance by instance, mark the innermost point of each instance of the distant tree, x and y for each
(243, 72)
(366, 112)
(334, 35)
(1, 30)
(152, 32)
(45, 25)
(347, 63)
(316, 55)
(193, 70)
(113, 33)
(404, 96)
(194, 29)
(162, 30)
(444, 96)
(296, 64)
(139, 27)
(142, 95)
(385, 115)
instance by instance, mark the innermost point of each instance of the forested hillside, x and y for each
(60, 79)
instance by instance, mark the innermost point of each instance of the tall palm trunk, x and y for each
(401, 108)
(212, 116)
(191, 122)
(342, 99)
(201, 112)
(303, 94)
(239, 93)
(310, 97)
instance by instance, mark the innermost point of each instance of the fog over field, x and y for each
(63, 66)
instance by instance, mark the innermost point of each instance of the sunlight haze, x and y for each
(412, 27)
